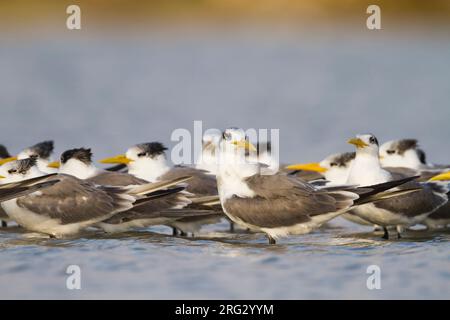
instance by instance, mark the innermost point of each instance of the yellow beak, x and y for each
(358, 142)
(316, 167)
(54, 164)
(2, 177)
(441, 177)
(245, 144)
(6, 160)
(120, 159)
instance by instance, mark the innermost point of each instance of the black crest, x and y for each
(404, 145)
(43, 149)
(151, 149)
(343, 159)
(226, 135)
(82, 154)
(4, 152)
(373, 139)
(22, 166)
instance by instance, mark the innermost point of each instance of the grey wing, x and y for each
(116, 179)
(399, 173)
(151, 209)
(72, 200)
(443, 167)
(201, 183)
(18, 189)
(417, 203)
(285, 201)
(129, 215)
(428, 174)
(442, 213)
(306, 175)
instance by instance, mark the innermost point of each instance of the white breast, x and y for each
(366, 171)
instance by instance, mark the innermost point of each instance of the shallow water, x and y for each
(111, 93)
(329, 263)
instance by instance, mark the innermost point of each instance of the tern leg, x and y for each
(271, 240)
(231, 226)
(182, 233)
(174, 231)
(4, 224)
(386, 233)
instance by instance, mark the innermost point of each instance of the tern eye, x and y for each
(390, 151)
(226, 136)
(11, 171)
(333, 164)
(373, 140)
(142, 154)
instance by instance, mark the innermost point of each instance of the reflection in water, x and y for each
(150, 263)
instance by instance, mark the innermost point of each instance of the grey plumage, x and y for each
(157, 211)
(282, 201)
(73, 200)
(428, 199)
(201, 184)
(13, 190)
(116, 179)
(439, 218)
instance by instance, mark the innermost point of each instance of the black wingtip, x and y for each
(116, 167)
(377, 188)
(157, 194)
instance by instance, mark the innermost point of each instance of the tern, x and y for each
(78, 162)
(42, 151)
(405, 156)
(277, 204)
(70, 204)
(402, 211)
(4, 158)
(334, 169)
(147, 161)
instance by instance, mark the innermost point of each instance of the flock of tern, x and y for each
(391, 187)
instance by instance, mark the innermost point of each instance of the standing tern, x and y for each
(164, 210)
(280, 205)
(405, 154)
(69, 205)
(334, 169)
(147, 161)
(402, 211)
